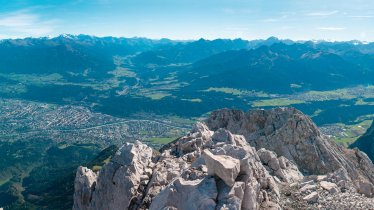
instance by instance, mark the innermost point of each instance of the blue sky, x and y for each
(190, 19)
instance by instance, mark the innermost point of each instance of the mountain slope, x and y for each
(275, 68)
(366, 142)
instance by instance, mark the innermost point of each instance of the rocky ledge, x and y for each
(262, 159)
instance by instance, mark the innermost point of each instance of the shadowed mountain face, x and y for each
(274, 68)
(366, 142)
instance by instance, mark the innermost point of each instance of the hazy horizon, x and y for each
(190, 19)
(185, 40)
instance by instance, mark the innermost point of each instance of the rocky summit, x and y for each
(262, 159)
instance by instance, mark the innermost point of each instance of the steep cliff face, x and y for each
(257, 160)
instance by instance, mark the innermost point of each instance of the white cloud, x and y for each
(361, 16)
(270, 20)
(18, 20)
(26, 23)
(275, 19)
(323, 13)
(331, 28)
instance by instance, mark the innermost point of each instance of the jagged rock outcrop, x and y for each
(280, 167)
(84, 185)
(291, 134)
(257, 160)
(119, 184)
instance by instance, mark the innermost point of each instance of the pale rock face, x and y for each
(312, 197)
(230, 197)
(307, 188)
(279, 166)
(330, 187)
(236, 160)
(225, 167)
(185, 195)
(222, 135)
(119, 181)
(291, 134)
(165, 171)
(84, 184)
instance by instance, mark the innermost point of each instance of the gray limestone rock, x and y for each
(291, 134)
(118, 185)
(185, 195)
(84, 184)
(270, 159)
(225, 167)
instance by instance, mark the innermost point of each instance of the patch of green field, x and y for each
(338, 94)
(362, 102)
(352, 132)
(195, 100)
(296, 86)
(107, 160)
(3, 181)
(142, 132)
(51, 79)
(238, 92)
(225, 90)
(96, 168)
(316, 113)
(122, 72)
(35, 79)
(161, 140)
(156, 96)
(62, 145)
(276, 102)
(345, 141)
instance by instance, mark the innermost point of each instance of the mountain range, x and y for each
(108, 73)
(74, 96)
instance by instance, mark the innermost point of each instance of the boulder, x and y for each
(308, 188)
(365, 187)
(225, 167)
(311, 198)
(330, 187)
